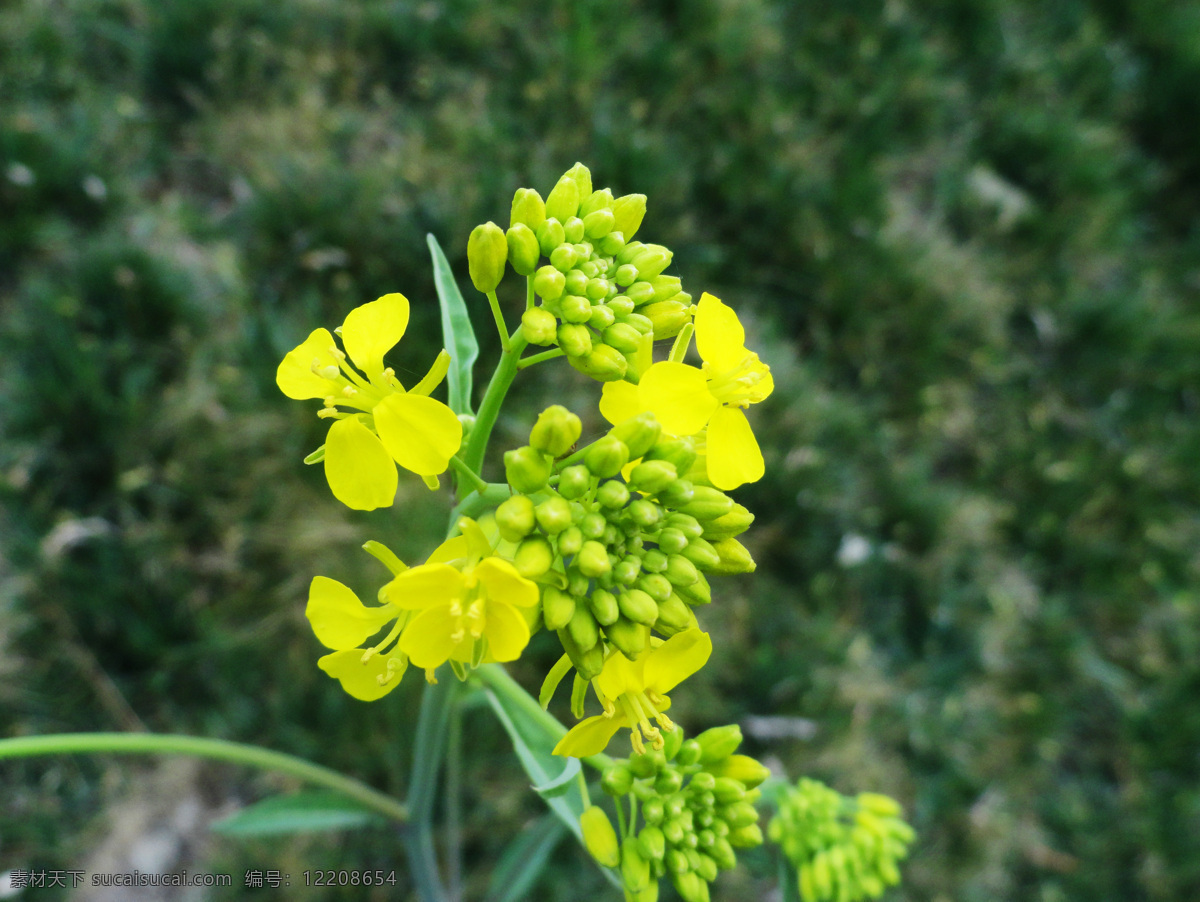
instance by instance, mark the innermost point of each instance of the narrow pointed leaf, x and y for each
(302, 812)
(458, 335)
(524, 860)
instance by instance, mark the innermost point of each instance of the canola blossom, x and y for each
(342, 622)
(688, 400)
(377, 424)
(635, 692)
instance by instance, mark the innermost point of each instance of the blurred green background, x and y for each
(964, 234)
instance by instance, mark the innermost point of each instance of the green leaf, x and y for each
(523, 860)
(561, 783)
(303, 812)
(457, 332)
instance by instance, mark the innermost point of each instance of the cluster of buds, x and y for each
(603, 297)
(697, 809)
(843, 848)
(618, 549)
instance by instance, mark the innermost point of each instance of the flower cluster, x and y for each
(842, 847)
(697, 809)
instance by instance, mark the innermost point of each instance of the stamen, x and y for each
(349, 391)
(430, 676)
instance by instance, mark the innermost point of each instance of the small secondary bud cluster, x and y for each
(616, 555)
(842, 847)
(603, 296)
(697, 808)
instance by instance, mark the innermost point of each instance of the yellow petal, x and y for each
(428, 640)
(677, 659)
(764, 386)
(358, 679)
(295, 376)
(590, 736)
(338, 618)
(732, 452)
(505, 584)
(506, 631)
(619, 401)
(428, 584)
(373, 329)
(358, 467)
(720, 338)
(420, 433)
(450, 550)
(678, 395)
(620, 675)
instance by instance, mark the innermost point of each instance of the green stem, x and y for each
(493, 398)
(495, 302)
(217, 749)
(479, 501)
(465, 473)
(534, 359)
(529, 292)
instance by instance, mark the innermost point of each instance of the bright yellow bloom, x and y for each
(688, 400)
(342, 622)
(381, 425)
(470, 604)
(634, 692)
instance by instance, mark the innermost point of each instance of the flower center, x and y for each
(736, 386)
(639, 708)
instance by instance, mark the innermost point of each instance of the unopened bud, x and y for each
(598, 200)
(667, 317)
(550, 235)
(548, 283)
(639, 433)
(528, 209)
(655, 585)
(877, 803)
(602, 317)
(526, 469)
(556, 431)
(583, 178)
(575, 309)
(599, 837)
(638, 606)
(625, 275)
(702, 554)
(746, 837)
(666, 287)
(557, 607)
(628, 212)
(627, 636)
(592, 559)
(639, 322)
(570, 540)
(487, 252)
(680, 571)
(728, 791)
(651, 476)
(640, 293)
(583, 627)
(523, 250)
(672, 541)
(620, 305)
(689, 753)
(606, 456)
(613, 494)
(534, 557)
(730, 525)
(624, 337)
(635, 869)
(617, 780)
(679, 451)
(514, 518)
(602, 363)
(573, 229)
(574, 481)
(564, 257)
(553, 515)
(652, 260)
(698, 592)
(598, 223)
(733, 557)
(563, 200)
(611, 244)
(539, 326)
(719, 742)
(604, 606)
(575, 339)
(708, 503)
(744, 769)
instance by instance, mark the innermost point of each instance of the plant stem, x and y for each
(454, 861)
(479, 501)
(533, 359)
(493, 398)
(466, 473)
(495, 302)
(217, 749)
(529, 292)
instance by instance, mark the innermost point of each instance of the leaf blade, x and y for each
(458, 334)
(301, 812)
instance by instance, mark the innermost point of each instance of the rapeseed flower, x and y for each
(688, 400)
(635, 692)
(377, 424)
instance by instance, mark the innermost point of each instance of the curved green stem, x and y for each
(503, 329)
(467, 474)
(216, 749)
(493, 398)
(534, 359)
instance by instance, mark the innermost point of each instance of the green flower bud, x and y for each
(598, 223)
(583, 628)
(627, 571)
(514, 518)
(719, 742)
(588, 267)
(526, 469)
(667, 287)
(600, 199)
(570, 540)
(528, 209)
(672, 541)
(723, 854)
(674, 616)
(628, 212)
(626, 275)
(686, 524)
(746, 770)
(655, 585)
(638, 433)
(588, 661)
(654, 561)
(729, 525)
(534, 557)
(523, 250)
(487, 252)
(564, 257)
(556, 431)
(573, 229)
(879, 804)
(746, 837)
(733, 557)
(638, 606)
(640, 293)
(539, 326)
(576, 282)
(680, 571)
(624, 337)
(599, 837)
(639, 322)
(593, 525)
(604, 606)
(553, 515)
(601, 318)
(672, 740)
(676, 861)
(548, 284)
(728, 791)
(574, 339)
(617, 780)
(668, 317)
(620, 305)
(698, 592)
(583, 178)
(592, 559)
(702, 781)
(574, 481)
(627, 636)
(550, 235)
(677, 493)
(575, 309)
(635, 870)
(652, 811)
(602, 363)
(652, 843)
(708, 503)
(644, 514)
(611, 244)
(596, 289)
(606, 456)
(651, 476)
(577, 583)
(557, 608)
(563, 200)
(689, 753)
(612, 494)
(651, 260)
(628, 252)
(702, 554)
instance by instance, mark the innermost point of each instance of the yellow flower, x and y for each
(381, 425)
(687, 400)
(470, 604)
(342, 622)
(634, 692)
